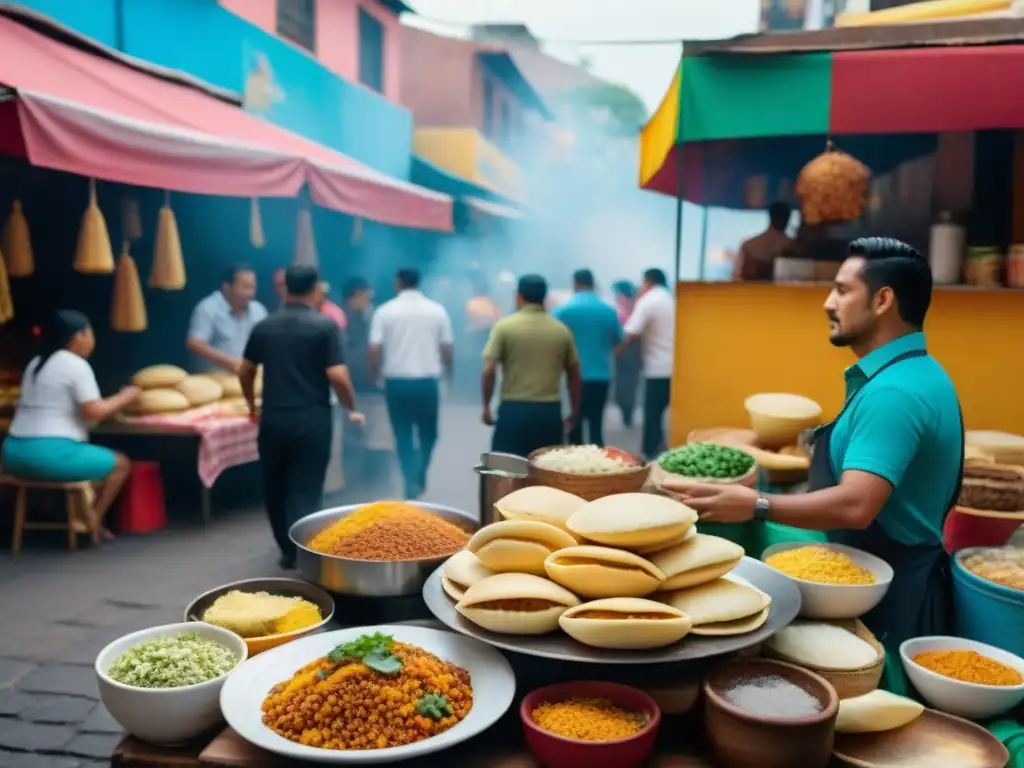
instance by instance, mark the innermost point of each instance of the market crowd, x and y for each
(550, 365)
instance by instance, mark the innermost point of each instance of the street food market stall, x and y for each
(93, 142)
(606, 632)
(923, 107)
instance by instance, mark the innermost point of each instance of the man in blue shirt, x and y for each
(221, 323)
(596, 330)
(887, 470)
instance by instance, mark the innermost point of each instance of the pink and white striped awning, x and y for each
(79, 111)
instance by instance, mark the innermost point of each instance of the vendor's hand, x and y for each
(488, 417)
(234, 365)
(357, 418)
(130, 393)
(715, 503)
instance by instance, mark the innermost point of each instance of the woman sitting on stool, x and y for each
(49, 437)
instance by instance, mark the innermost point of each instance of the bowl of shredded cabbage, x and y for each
(162, 685)
(589, 471)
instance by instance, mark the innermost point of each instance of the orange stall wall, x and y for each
(736, 339)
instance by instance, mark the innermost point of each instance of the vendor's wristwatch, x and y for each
(762, 508)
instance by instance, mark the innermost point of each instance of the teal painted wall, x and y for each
(202, 38)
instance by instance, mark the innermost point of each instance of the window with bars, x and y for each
(371, 51)
(296, 21)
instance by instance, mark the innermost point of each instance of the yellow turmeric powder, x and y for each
(969, 667)
(588, 720)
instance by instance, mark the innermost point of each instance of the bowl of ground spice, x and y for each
(590, 723)
(835, 581)
(963, 677)
(162, 685)
(381, 549)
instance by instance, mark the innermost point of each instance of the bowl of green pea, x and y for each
(706, 463)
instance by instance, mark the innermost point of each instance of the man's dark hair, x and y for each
(234, 271)
(656, 277)
(354, 287)
(779, 214)
(533, 289)
(894, 264)
(583, 278)
(408, 277)
(301, 279)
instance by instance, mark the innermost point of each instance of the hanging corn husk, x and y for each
(256, 237)
(94, 254)
(305, 243)
(131, 219)
(17, 245)
(6, 303)
(167, 271)
(832, 187)
(128, 310)
(357, 231)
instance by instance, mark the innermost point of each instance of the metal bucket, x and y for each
(500, 474)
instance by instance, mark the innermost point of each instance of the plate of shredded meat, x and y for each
(368, 695)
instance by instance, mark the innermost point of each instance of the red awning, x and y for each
(95, 116)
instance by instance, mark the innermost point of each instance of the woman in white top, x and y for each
(49, 437)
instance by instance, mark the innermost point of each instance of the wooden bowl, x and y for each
(933, 739)
(591, 487)
(747, 479)
(847, 682)
(742, 739)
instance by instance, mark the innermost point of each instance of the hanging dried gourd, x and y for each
(832, 187)
(6, 302)
(305, 243)
(131, 219)
(94, 254)
(128, 310)
(167, 271)
(256, 236)
(17, 244)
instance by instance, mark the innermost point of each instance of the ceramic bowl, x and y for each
(559, 752)
(743, 739)
(166, 716)
(971, 700)
(276, 586)
(839, 601)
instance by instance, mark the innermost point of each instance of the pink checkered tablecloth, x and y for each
(225, 441)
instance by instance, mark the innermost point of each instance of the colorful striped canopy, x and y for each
(718, 103)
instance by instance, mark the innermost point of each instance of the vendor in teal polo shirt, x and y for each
(887, 470)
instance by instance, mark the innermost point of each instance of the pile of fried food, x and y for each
(371, 693)
(627, 572)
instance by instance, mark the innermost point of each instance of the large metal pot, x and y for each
(367, 578)
(500, 474)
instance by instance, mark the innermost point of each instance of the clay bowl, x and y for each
(743, 739)
(558, 752)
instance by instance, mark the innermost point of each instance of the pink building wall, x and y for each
(337, 35)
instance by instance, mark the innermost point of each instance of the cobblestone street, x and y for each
(60, 608)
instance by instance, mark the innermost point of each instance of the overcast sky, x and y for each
(647, 69)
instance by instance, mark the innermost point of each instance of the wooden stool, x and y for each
(78, 501)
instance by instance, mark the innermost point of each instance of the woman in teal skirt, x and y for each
(49, 438)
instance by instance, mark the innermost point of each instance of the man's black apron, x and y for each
(919, 600)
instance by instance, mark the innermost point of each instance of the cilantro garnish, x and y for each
(434, 706)
(372, 650)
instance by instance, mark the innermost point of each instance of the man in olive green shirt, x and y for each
(533, 350)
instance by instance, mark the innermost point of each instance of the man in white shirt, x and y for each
(653, 324)
(411, 346)
(221, 323)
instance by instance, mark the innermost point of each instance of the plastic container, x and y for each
(946, 250)
(987, 612)
(141, 508)
(977, 528)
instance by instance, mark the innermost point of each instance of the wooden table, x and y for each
(502, 746)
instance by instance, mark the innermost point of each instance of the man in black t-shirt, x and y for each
(302, 358)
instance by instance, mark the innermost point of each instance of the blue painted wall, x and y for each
(202, 38)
